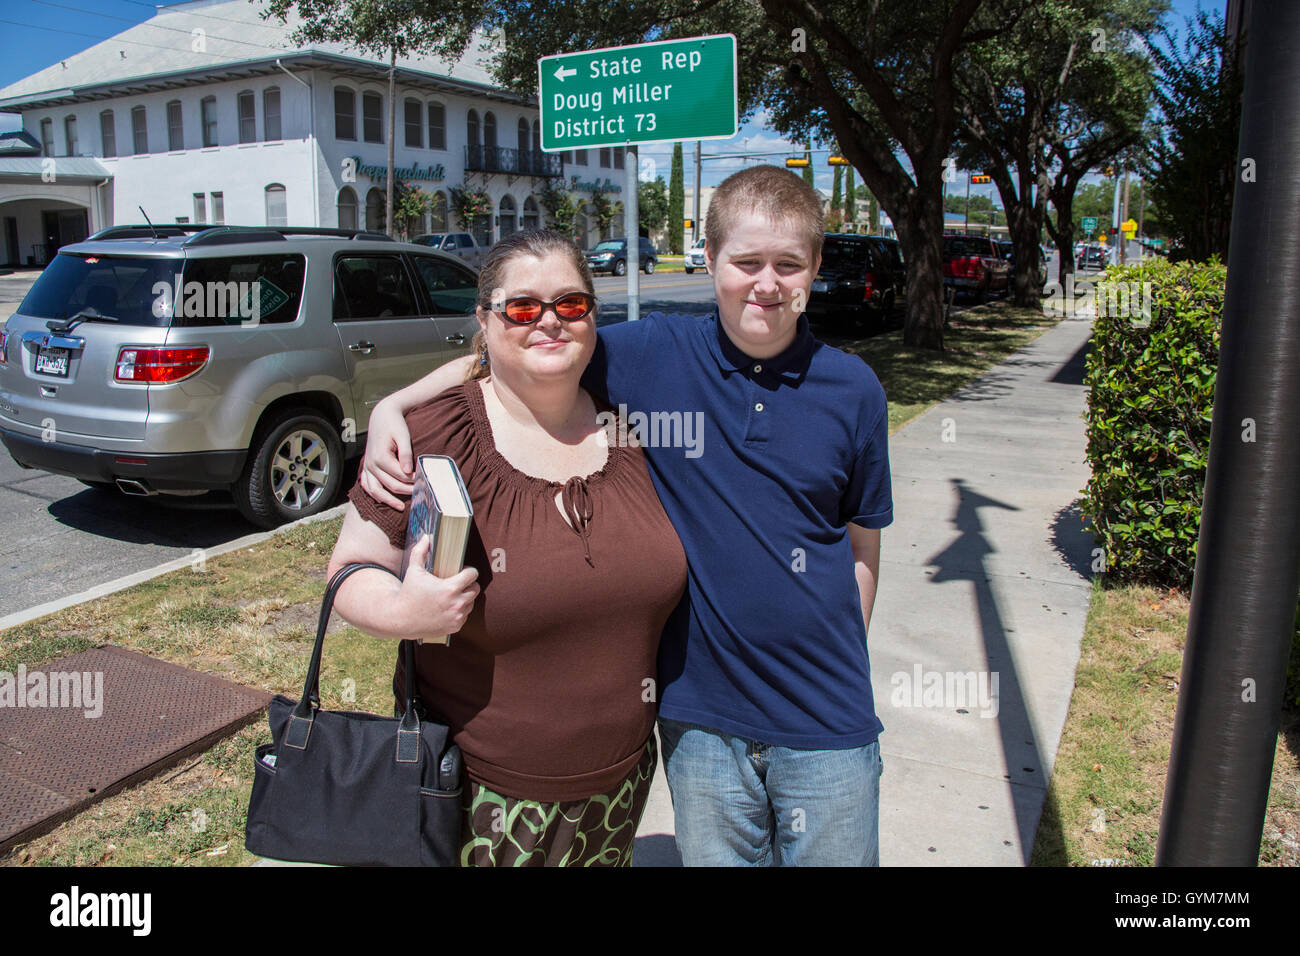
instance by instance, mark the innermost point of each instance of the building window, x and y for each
(438, 212)
(175, 128)
(208, 113)
(580, 157)
(414, 123)
(70, 134)
(376, 221)
(489, 129)
(247, 118)
(532, 216)
(537, 136)
(372, 117)
(47, 137)
(107, 133)
(218, 209)
(345, 114)
(507, 214)
(604, 157)
(200, 208)
(618, 157)
(139, 131)
(522, 134)
(271, 114)
(471, 128)
(347, 206)
(437, 126)
(277, 210)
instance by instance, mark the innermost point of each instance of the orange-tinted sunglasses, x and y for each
(525, 310)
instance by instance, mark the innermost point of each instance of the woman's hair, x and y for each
(775, 193)
(538, 243)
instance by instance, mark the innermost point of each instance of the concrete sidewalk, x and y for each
(985, 571)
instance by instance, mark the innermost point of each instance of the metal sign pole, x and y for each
(631, 229)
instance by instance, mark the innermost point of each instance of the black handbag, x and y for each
(354, 789)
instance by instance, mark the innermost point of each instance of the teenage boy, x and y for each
(766, 713)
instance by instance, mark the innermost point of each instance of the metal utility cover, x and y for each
(55, 761)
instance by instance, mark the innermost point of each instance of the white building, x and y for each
(207, 113)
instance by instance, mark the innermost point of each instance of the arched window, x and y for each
(277, 208)
(107, 133)
(537, 136)
(271, 114)
(437, 126)
(413, 111)
(175, 126)
(247, 117)
(70, 134)
(376, 220)
(438, 212)
(471, 128)
(345, 113)
(208, 120)
(372, 117)
(532, 216)
(523, 136)
(489, 129)
(347, 208)
(509, 223)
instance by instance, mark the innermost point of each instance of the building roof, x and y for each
(19, 142)
(234, 41)
(67, 169)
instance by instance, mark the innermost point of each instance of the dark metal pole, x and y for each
(1248, 556)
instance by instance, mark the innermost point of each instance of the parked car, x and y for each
(240, 358)
(611, 256)
(694, 258)
(1094, 256)
(460, 244)
(854, 285)
(974, 265)
(893, 263)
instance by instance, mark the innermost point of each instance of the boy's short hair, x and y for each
(776, 193)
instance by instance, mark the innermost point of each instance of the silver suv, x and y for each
(177, 360)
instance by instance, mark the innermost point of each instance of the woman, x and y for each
(571, 571)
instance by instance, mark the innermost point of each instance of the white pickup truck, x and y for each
(460, 244)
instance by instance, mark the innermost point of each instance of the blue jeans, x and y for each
(741, 802)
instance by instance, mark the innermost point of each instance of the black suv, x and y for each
(856, 285)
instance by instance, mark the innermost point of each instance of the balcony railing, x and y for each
(503, 159)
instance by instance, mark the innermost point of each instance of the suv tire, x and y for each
(270, 494)
(649, 267)
(690, 269)
(620, 268)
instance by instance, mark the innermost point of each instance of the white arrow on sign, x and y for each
(561, 73)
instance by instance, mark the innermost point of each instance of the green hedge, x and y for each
(1150, 406)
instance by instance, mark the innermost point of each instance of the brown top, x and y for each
(548, 687)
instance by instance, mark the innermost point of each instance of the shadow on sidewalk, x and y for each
(1021, 752)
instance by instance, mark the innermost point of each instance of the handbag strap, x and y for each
(310, 699)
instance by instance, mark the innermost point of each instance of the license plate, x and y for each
(52, 361)
(819, 285)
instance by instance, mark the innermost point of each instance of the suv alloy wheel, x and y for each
(294, 469)
(649, 267)
(620, 267)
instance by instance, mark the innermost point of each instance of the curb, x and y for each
(130, 580)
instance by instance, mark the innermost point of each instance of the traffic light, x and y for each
(689, 224)
(981, 179)
(837, 161)
(789, 163)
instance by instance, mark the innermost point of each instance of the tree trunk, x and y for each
(392, 135)
(1063, 232)
(921, 233)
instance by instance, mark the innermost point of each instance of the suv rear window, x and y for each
(841, 255)
(120, 288)
(141, 291)
(966, 246)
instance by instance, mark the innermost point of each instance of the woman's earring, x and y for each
(482, 354)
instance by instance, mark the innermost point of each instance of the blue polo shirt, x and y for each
(760, 465)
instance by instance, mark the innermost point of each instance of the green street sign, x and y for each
(1089, 225)
(657, 92)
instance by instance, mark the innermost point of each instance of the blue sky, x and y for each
(35, 34)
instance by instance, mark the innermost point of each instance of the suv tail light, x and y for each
(968, 268)
(4, 346)
(159, 366)
(868, 285)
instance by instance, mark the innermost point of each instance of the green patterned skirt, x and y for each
(497, 830)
